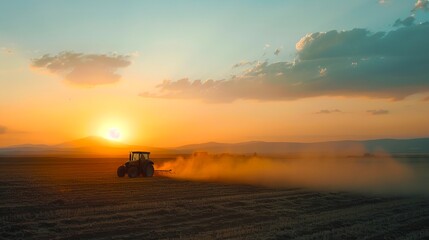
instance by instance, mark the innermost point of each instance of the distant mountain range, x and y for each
(89, 146)
(97, 146)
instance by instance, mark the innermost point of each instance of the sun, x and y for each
(113, 134)
(113, 129)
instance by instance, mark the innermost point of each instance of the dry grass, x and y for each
(53, 198)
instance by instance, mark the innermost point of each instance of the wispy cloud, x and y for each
(8, 51)
(244, 64)
(378, 112)
(421, 5)
(356, 62)
(328, 111)
(322, 71)
(84, 69)
(3, 129)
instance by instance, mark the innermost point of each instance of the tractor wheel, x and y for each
(133, 172)
(121, 171)
(148, 171)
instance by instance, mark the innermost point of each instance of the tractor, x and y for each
(138, 163)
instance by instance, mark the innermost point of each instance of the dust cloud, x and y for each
(382, 174)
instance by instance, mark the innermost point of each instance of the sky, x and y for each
(169, 73)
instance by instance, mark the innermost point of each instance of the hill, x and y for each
(97, 146)
(91, 146)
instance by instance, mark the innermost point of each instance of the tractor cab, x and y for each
(137, 156)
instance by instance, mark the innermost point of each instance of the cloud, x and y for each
(6, 130)
(328, 111)
(360, 44)
(244, 63)
(406, 22)
(421, 5)
(378, 112)
(353, 63)
(323, 71)
(3, 129)
(84, 69)
(7, 51)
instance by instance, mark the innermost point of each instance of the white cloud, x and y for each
(356, 62)
(323, 71)
(84, 69)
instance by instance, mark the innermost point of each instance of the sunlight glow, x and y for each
(114, 134)
(113, 130)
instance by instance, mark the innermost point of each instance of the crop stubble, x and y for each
(72, 198)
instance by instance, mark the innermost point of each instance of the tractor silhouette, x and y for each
(138, 163)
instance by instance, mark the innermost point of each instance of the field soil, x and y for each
(76, 198)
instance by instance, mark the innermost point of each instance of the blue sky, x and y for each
(196, 39)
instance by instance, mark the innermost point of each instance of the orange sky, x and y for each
(40, 108)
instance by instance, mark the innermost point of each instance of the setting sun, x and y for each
(113, 134)
(113, 128)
